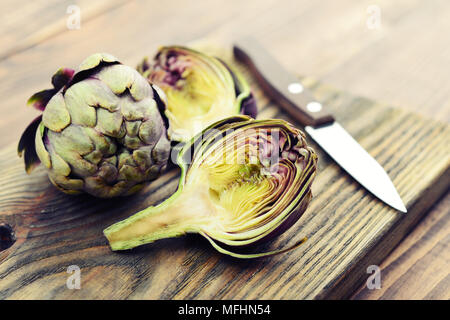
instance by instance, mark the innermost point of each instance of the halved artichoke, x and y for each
(101, 131)
(200, 89)
(243, 181)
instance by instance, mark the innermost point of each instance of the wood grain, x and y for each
(347, 227)
(25, 25)
(403, 62)
(414, 269)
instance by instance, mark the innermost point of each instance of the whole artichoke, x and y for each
(243, 182)
(200, 89)
(101, 131)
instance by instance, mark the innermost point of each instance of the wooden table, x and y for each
(402, 58)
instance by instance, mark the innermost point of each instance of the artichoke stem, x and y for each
(182, 213)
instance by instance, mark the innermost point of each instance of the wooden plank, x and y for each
(134, 31)
(27, 23)
(346, 226)
(402, 62)
(419, 267)
(409, 57)
(322, 39)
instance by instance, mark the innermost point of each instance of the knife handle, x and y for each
(284, 88)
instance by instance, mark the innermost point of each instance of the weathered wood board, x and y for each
(348, 229)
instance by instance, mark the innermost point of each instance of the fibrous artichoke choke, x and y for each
(101, 130)
(243, 181)
(200, 89)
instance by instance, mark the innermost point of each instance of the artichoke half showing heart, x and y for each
(101, 130)
(200, 89)
(243, 182)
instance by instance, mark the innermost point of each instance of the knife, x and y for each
(296, 100)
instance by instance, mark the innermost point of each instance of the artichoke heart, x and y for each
(243, 182)
(199, 89)
(100, 131)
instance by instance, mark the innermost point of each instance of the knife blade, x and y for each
(321, 126)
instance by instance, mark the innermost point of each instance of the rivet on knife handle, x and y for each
(284, 88)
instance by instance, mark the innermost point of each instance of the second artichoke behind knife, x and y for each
(200, 89)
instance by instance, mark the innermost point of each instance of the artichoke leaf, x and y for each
(26, 145)
(61, 78)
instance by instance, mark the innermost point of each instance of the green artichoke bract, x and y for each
(243, 181)
(200, 90)
(101, 131)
